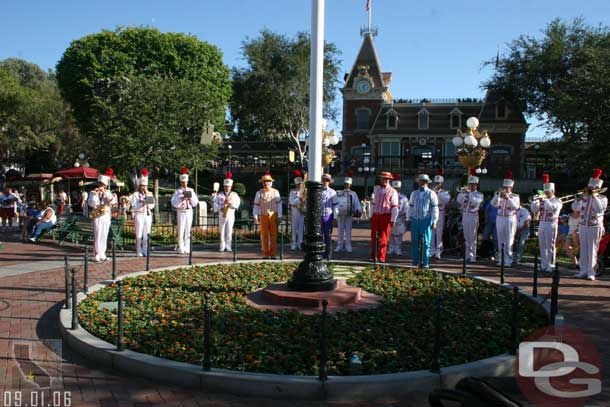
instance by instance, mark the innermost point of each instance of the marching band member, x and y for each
(443, 199)
(296, 200)
(185, 201)
(423, 215)
(548, 208)
(225, 204)
(506, 221)
(470, 200)
(142, 203)
(99, 201)
(592, 207)
(349, 207)
(329, 211)
(268, 212)
(385, 212)
(400, 226)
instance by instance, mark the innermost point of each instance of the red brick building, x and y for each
(407, 136)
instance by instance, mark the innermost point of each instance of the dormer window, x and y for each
(423, 119)
(392, 120)
(455, 118)
(501, 110)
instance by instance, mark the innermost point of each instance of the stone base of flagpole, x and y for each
(312, 273)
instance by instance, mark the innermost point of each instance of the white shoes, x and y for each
(591, 278)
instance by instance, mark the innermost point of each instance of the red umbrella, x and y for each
(78, 172)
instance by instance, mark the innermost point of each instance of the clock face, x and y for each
(363, 86)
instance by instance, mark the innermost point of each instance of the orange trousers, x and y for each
(269, 234)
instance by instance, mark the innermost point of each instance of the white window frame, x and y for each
(419, 119)
(391, 112)
(455, 112)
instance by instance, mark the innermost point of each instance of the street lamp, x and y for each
(81, 160)
(471, 146)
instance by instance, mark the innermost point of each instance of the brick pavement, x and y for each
(30, 302)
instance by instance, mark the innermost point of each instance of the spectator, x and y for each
(46, 220)
(29, 220)
(563, 229)
(62, 200)
(524, 219)
(9, 202)
(83, 199)
(571, 243)
(489, 229)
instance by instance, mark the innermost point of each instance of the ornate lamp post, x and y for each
(472, 146)
(81, 160)
(312, 273)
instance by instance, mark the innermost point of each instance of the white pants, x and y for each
(436, 245)
(395, 241)
(298, 223)
(470, 226)
(547, 233)
(101, 227)
(506, 227)
(185, 221)
(345, 233)
(143, 226)
(226, 229)
(589, 244)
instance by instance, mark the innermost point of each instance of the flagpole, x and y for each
(370, 6)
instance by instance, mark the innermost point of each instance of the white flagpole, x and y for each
(369, 12)
(315, 90)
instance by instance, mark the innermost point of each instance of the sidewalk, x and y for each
(32, 288)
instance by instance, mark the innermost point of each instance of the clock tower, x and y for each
(364, 92)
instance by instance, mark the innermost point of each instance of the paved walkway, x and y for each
(31, 291)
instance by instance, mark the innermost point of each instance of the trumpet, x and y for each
(535, 198)
(460, 189)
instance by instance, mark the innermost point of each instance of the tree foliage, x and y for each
(562, 79)
(34, 120)
(144, 97)
(271, 94)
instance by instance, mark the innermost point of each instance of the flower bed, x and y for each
(164, 317)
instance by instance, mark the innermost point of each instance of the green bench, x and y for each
(79, 230)
(64, 223)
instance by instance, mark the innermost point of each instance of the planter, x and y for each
(471, 161)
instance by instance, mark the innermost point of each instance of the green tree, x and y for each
(35, 123)
(562, 79)
(271, 94)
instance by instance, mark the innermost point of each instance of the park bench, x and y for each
(61, 228)
(82, 232)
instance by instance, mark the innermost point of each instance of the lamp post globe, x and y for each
(472, 123)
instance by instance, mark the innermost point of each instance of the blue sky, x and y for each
(434, 49)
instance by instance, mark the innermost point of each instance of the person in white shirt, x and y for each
(423, 215)
(142, 204)
(184, 200)
(329, 211)
(385, 211)
(46, 221)
(506, 221)
(225, 204)
(470, 201)
(592, 207)
(436, 246)
(100, 200)
(9, 202)
(524, 219)
(297, 203)
(548, 208)
(349, 207)
(400, 226)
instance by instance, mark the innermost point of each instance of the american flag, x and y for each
(368, 5)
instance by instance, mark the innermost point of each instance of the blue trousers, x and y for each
(327, 231)
(523, 236)
(421, 229)
(42, 226)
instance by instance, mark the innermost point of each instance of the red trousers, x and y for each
(380, 232)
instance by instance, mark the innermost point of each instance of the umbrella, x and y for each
(78, 172)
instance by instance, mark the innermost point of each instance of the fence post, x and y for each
(281, 242)
(148, 253)
(436, 351)
(502, 265)
(191, 247)
(207, 360)
(514, 328)
(113, 258)
(74, 301)
(120, 328)
(323, 358)
(234, 244)
(535, 285)
(464, 271)
(555, 294)
(67, 281)
(86, 269)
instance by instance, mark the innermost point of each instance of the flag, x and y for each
(368, 5)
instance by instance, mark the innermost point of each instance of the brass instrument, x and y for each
(226, 206)
(575, 197)
(535, 198)
(462, 189)
(101, 209)
(302, 205)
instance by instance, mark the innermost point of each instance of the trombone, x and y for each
(574, 197)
